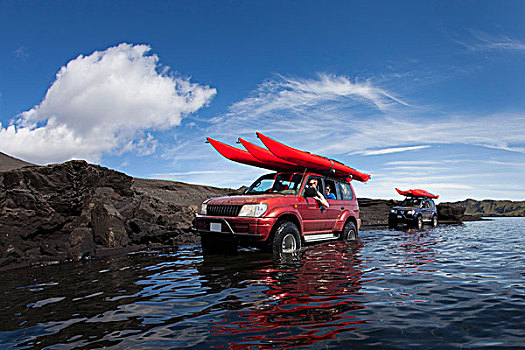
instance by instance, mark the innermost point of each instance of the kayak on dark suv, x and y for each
(277, 213)
(414, 211)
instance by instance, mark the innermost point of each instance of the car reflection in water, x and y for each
(307, 298)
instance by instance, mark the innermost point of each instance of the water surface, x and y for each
(449, 287)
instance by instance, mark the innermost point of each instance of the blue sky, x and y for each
(419, 94)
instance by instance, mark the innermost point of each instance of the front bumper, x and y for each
(257, 229)
(402, 218)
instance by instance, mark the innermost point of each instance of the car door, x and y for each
(336, 204)
(426, 211)
(313, 216)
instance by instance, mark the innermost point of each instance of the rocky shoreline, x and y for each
(77, 210)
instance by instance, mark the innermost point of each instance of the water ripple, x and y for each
(449, 287)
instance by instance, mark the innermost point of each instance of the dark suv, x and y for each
(414, 211)
(276, 213)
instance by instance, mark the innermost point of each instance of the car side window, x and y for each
(346, 191)
(330, 190)
(319, 184)
(287, 183)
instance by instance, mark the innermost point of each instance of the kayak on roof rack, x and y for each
(278, 156)
(416, 193)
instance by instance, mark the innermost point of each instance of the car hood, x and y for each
(405, 208)
(240, 200)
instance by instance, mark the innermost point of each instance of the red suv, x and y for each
(276, 213)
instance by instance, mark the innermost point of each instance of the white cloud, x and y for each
(489, 42)
(104, 103)
(21, 52)
(186, 173)
(392, 150)
(312, 114)
(413, 162)
(333, 116)
(303, 97)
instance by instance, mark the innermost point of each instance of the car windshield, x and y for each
(283, 183)
(411, 202)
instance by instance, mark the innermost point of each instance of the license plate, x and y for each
(399, 216)
(215, 226)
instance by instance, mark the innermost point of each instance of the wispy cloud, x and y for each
(392, 150)
(351, 119)
(22, 52)
(413, 162)
(354, 129)
(105, 102)
(484, 41)
(300, 94)
(186, 173)
(295, 104)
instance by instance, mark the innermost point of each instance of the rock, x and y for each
(76, 210)
(374, 212)
(81, 243)
(450, 213)
(10, 163)
(488, 207)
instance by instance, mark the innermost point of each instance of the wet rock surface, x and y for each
(374, 212)
(451, 213)
(77, 210)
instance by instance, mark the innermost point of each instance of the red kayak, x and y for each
(241, 156)
(280, 157)
(311, 161)
(416, 193)
(265, 156)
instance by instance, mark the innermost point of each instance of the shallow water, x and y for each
(449, 287)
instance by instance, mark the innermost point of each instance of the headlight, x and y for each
(253, 210)
(393, 211)
(410, 212)
(204, 207)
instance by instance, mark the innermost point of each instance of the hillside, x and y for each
(10, 163)
(490, 207)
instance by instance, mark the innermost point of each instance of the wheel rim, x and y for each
(435, 222)
(350, 236)
(419, 223)
(289, 243)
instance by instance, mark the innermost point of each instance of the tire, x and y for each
(349, 232)
(419, 223)
(286, 238)
(435, 221)
(392, 224)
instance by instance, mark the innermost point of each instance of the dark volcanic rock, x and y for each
(490, 207)
(75, 209)
(450, 213)
(10, 163)
(374, 212)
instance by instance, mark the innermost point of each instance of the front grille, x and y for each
(223, 210)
